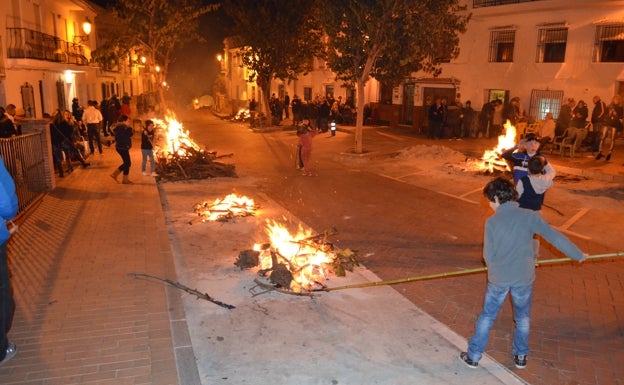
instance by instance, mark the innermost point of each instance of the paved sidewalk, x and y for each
(80, 319)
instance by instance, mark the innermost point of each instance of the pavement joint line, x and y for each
(574, 218)
(471, 192)
(461, 198)
(585, 237)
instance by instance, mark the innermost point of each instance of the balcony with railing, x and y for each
(493, 3)
(24, 43)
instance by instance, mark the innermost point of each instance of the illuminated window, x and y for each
(551, 45)
(609, 44)
(502, 46)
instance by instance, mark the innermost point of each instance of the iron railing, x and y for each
(23, 159)
(24, 43)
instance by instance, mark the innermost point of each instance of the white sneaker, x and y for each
(154, 174)
(145, 173)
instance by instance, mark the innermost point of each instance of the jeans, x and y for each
(7, 304)
(521, 297)
(125, 157)
(148, 153)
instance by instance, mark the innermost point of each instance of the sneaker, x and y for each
(154, 174)
(467, 361)
(145, 173)
(520, 360)
(608, 157)
(11, 351)
(599, 156)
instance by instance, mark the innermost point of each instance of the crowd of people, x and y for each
(606, 121)
(459, 120)
(82, 131)
(320, 111)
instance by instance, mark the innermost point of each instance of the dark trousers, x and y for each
(125, 157)
(7, 305)
(93, 134)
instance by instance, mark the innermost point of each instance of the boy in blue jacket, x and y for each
(8, 210)
(510, 258)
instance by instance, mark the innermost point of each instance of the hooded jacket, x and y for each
(8, 201)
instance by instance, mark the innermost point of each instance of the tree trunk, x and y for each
(359, 121)
(265, 87)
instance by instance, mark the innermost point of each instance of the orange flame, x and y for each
(508, 140)
(171, 139)
(309, 262)
(230, 206)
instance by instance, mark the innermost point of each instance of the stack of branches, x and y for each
(190, 163)
(287, 275)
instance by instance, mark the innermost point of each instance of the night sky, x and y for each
(195, 67)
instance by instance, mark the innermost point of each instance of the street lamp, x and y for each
(86, 28)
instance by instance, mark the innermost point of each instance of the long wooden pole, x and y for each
(462, 272)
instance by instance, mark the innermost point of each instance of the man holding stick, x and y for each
(510, 258)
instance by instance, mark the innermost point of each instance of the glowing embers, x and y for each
(231, 206)
(297, 262)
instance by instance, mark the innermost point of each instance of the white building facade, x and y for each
(541, 51)
(45, 57)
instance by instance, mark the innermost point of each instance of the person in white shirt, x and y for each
(92, 117)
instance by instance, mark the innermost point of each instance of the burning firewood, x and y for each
(179, 157)
(298, 263)
(225, 209)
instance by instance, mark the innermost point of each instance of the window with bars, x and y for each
(502, 46)
(609, 44)
(543, 102)
(551, 45)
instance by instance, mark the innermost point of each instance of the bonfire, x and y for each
(300, 262)
(180, 157)
(491, 158)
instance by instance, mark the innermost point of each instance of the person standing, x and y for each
(296, 109)
(532, 187)
(8, 210)
(565, 116)
(609, 129)
(112, 112)
(286, 105)
(598, 116)
(147, 148)
(469, 129)
(437, 116)
(106, 120)
(510, 259)
(77, 110)
(93, 118)
(306, 133)
(123, 142)
(518, 156)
